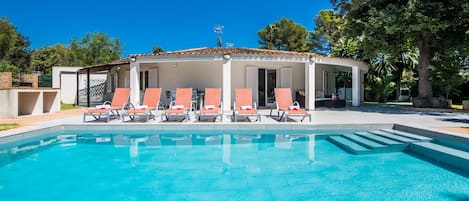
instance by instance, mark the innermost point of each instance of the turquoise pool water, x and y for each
(216, 167)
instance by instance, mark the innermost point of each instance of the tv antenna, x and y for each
(218, 29)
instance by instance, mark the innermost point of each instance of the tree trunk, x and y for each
(425, 96)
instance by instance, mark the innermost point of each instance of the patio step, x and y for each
(441, 154)
(348, 145)
(407, 135)
(393, 136)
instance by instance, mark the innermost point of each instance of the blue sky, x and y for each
(140, 25)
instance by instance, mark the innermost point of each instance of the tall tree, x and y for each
(14, 47)
(424, 24)
(330, 26)
(45, 58)
(157, 49)
(447, 72)
(7, 67)
(284, 35)
(94, 48)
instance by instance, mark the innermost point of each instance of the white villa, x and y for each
(230, 68)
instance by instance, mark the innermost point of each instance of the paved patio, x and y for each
(442, 120)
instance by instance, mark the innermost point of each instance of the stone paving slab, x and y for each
(367, 114)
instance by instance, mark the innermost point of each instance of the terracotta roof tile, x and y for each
(217, 51)
(232, 51)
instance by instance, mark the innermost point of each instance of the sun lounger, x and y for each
(181, 106)
(212, 106)
(244, 106)
(108, 109)
(148, 109)
(284, 104)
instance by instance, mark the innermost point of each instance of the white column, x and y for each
(310, 85)
(226, 83)
(134, 83)
(356, 85)
(362, 87)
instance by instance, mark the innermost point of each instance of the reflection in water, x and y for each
(121, 141)
(67, 140)
(226, 142)
(95, 139)
(226, 154)
(10, 152)
(208, 139)
(226, 149)
(153, 141)
(246, 140)
(311, 147)
(282, 142)
(184, 141)
(134, 143)
(24, 148)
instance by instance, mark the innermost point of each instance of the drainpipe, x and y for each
(78, 88)
(88, 87)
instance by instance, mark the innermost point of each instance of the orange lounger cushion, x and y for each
(298, 111)
(209, 111)
(250, 111)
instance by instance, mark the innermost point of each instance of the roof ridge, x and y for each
(187, 50)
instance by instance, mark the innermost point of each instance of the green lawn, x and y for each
(8, 126)
(458, 107)
(67, 106)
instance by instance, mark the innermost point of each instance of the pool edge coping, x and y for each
(428, 132)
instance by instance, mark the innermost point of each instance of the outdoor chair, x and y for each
(148, 109)
(285, 104)
(244, 106)
(181, 106)
(212, 106)
(108, 109)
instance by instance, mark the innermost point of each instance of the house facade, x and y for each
(312, 75)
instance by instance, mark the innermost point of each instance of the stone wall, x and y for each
(21, 80)
(5, 80)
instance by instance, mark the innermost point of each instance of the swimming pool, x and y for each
(226, 165)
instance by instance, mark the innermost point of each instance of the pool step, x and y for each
(441, 154)
(390, 145)
(407, 135)
(394, 137)
(364, 141)
(376, 141)
(348, 145)
(379, 139)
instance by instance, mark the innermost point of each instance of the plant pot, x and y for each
(465, 104)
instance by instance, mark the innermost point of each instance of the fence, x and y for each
(45, 80)
(98, 93)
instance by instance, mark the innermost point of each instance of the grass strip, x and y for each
(67, 106)
(8, 126)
